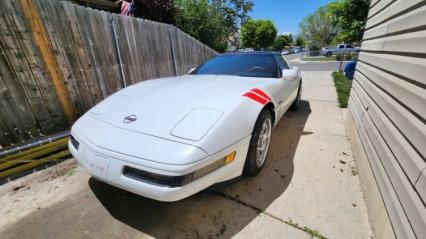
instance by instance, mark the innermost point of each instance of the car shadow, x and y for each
(221, 213)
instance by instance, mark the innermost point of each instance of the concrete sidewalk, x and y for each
(324, 193)
(308, 188)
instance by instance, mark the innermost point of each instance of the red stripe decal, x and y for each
(261, 93)
(255, 97)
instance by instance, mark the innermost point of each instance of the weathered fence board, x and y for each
(98, 53)
(60, 33)
(29, 105)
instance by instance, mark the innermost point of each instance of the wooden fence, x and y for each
(98, 53)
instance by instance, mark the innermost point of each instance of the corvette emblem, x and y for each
(130, 119)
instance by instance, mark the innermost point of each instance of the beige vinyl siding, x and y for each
(388, 105)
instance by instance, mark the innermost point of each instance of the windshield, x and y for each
(249, 65)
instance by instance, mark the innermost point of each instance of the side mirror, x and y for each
(289, 74)
(192, 70)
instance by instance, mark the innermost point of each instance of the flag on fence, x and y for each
(127, 8)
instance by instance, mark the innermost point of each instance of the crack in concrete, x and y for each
(311, 232)
(317, 85)
(324, 101)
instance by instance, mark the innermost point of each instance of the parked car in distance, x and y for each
(341, 48)
(294, 49)
(169, 138)
(285, 52)
(297, 49)
(325, 49)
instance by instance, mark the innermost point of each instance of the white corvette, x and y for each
(169, 138)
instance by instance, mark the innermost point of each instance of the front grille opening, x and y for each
(161, 180)
(74, 142)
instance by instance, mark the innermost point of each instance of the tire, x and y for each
(328, 54)
(255, 160)
(296, 103)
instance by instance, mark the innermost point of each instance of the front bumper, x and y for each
(109, 166)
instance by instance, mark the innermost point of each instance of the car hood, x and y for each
(180, 108)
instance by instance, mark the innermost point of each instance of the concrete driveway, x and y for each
(308, 188)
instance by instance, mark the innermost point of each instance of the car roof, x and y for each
(251, 53)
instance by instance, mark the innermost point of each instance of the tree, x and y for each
(350, 17)
(282, 41)
(155, 10)
(258, 34)
(300, 41)
(317, 28)
(212, 22)
(235, 11)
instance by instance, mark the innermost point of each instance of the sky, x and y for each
(286, 14)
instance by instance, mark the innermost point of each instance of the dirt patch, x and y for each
(38, 190)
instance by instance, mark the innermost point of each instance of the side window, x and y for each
(349, 46)
(341, 46)
(282, 63)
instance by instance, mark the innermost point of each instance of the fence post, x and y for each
(41, 40)
(341, 61)
(173, 50)
(120, 61)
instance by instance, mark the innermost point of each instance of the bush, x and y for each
(314, 47)
(346, 57)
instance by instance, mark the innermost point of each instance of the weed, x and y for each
(310, 231)
(71, 172)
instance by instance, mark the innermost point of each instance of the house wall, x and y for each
(387, 117)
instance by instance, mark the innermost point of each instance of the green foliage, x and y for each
(338, 39)
(314, 47)
(212, 22)
(346, 57)
(343, 88)
(156, 10)
(300, 41)
(349, 57)
(350, 17)
(317, 28)
(282, 41)
(258, 34)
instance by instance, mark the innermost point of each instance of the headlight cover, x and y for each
(176, 181)
(195, 125)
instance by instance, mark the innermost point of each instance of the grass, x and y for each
(343, 87)
(320, 58)
(313, 233)
(71, 172)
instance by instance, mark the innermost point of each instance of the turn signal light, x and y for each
(229, 158)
